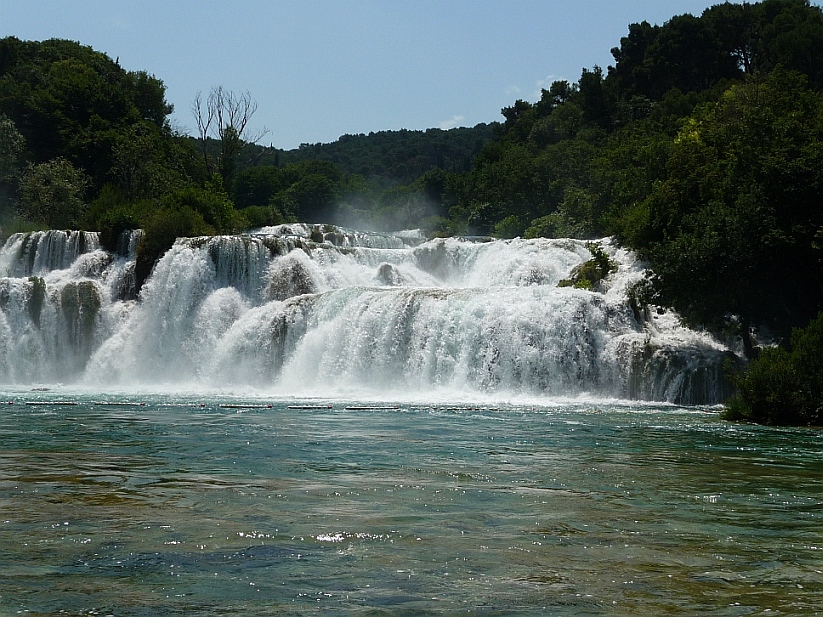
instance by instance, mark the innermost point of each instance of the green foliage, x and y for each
(256, 186)
(75, 108)
(111, 214)
(564, 122)
(182, 213)
(307, 191)
(214, 204)
(51, 193)
(145, 163)
(509, 227)
(11, 224)
(729, 40)
(543, 227)
(438, 227)
(262, 216)
(312, 198)
(80, 113)
(70, 101)
(589, 274)
(11, 147)
(162, 227)
(574, 217)
(391, 158)
(730, 230)
(224, 119)
(783, 387)
(406, 207)
(319, 191)
(607, 138)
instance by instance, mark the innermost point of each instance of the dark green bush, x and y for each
(262, 216)
(783, 387)
(161, 229)
(589, 274)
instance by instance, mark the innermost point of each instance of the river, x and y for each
(135, 504)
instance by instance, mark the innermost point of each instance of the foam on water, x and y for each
(304, 310)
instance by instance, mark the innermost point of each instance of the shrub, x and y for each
(589, 274)
(509, 227)
(160, 230)
(262, 216)
(783, 387)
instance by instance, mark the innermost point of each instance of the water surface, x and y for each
(181, 506)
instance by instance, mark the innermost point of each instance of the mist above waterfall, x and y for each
(302, 310)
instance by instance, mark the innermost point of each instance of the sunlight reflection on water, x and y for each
(183, 506)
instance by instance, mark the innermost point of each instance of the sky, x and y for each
(319, 69)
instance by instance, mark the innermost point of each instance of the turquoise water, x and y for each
(181, 506)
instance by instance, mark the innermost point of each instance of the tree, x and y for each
(783, 387)
(225, 116)
(140, 168)
(311, 199)
(70, 101)
(596, 98)
(733, 231)
(162, 227)
(11, 146)
(255, 186)
(735, 27)
(52, 193)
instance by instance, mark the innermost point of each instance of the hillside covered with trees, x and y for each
(701, 148)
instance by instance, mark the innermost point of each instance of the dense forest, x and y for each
(701, 148)
(388, 157)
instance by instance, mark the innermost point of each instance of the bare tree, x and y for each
(225, 117)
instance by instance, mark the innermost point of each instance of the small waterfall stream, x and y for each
(307, 310)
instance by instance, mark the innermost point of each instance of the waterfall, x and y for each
(316, 310)
(43, 251)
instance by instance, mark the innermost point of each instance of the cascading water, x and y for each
(43, 251)
(311, 310)
(58, 292)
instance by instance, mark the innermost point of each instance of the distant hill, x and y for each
(385, 158)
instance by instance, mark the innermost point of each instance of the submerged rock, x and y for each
(289, 277)
(387, 274)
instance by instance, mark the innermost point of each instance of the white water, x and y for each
(279, 313)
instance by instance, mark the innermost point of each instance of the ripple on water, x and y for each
(202, 510)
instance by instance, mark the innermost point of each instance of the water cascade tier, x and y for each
(309, 310)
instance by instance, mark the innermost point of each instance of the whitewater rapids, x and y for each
(300, 310)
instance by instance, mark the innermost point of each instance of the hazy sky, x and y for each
(322, 68)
